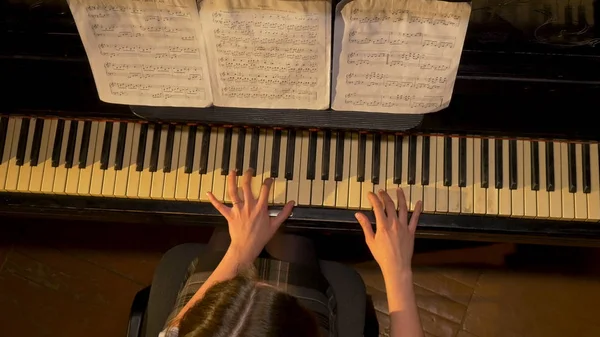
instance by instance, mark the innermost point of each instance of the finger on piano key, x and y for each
(280, 140)
(263, 160)
(25, 170)
(293, 185)
(543, 198)
(6, 151)
(367, 183)
(249, 156)
(235, 135)
(12, 174)
(581, 211)
(381, 167)
(492, 190)
(195, 135)
(301, 175)
(97, 172)
(37, 172)
(171, 176)
(212, 168)
(568, 199)
(390, 185)
(330, 184)
(354, 188)
(133, 180)
(123, 159)
(218, 188)
(404, 168)
(593, 198)
(554, 178)
(479, 192)
(60, 175)
(316, 198)
(529, 167)
(416, 190)
(466, 192)
(343, 168)
(428, 178)
(158, 177)
(182, 176)
(504, 194)
(518, 194)
(441, 191)
(110, 174)
(454, 188)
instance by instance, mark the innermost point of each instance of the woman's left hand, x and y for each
(250, 226)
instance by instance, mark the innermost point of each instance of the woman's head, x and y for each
(242, 307)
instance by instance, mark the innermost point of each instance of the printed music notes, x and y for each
(146, 52)
(269, 53)
(397, 56)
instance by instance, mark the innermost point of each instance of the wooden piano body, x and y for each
(525, 109)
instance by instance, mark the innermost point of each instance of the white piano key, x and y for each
(416, 190)
(212, 167)
(60, 174)
(171, 177)
(517, 195)
(479, 193)
(246, 162)
(466, 193)
(504, 194)
(97, 173)
(110, 174)
(133, 180)
(382, 165)
(390, 187)
(123, 174)
(454, 189)
(263, 163)
(316, 198)
(556, 201)
(367, 184)
(194, 177)
(182, 177)
(404, 181)
(25, 170)
(145, 184)
(280, 183)
(581, 211)
(232, 158)
(37, 172)
(158, 177)
(493, 194)
(219, 177)
(329, 186)
(429, 190)
(441, 191)
(543, 198)
(12, 175)
(354, 190)
(7, 152)
(593, 198)
(73, 173)
(568, 199)
(529, 195)
(343, 186)
(300, 171)
(293, 186)
(48, 177)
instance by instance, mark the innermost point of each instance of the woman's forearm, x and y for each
(404, 315)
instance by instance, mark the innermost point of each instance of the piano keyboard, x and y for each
(459, 175)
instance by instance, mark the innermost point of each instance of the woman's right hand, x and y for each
(393, 242)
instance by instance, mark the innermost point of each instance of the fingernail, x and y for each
(356, 215)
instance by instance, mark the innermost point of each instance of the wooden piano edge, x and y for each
(324, 220)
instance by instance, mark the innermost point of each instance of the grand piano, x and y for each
(514, 157)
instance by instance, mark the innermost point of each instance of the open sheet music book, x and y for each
(397, 56)
(233, 53)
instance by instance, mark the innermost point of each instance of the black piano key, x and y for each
(376, 160)
(191, 148)
(141, 150)
(362, 148)
(485, 163)
(339, 156)
(121, 146)
(289, 159)
(498, 159)
(69, 156)
(397, 159)
(412, 160)
(312, 156)
(85, 143)
(550, 179)
(169, 149)
(154, 151)
(226, 151)
(203, 168)
(462, 162)
(447, 161)
(425, 161)
(106, 140)
(535, 166)
(586, 169)
(22, 145)
(572, 168)
(60, 130)
(3, 135)
(275, 153)
(239, 156)
(37, 142)
(326, 155)
(254, 150)
(512, 164)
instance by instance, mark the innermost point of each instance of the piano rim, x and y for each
(337, 221)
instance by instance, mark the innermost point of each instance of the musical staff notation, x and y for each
(146, 71)
(376, 79)
(146, 14)
(256, 92)
(399, 59)
(154, 51)
(393, 101)
(141, 31)
(402, 38)
(157, 90)
(403, 15)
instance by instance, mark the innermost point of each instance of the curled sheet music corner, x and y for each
(397, 56)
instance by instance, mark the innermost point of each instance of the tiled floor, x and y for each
(79, 279)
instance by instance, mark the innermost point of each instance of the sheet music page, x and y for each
(145, 52)
(269, 53)
(397, 56)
